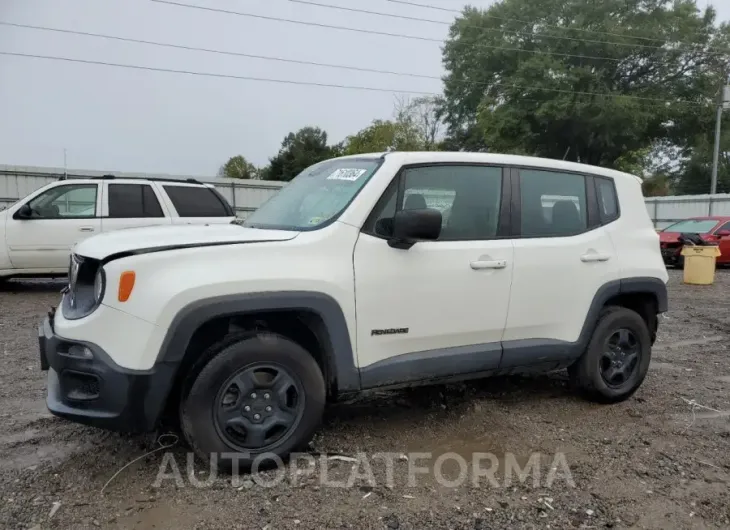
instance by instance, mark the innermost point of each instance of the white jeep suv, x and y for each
(370, 271)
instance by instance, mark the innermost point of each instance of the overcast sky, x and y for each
(130, 120)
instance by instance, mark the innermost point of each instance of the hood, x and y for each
(132, 241)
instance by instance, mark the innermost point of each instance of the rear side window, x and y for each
(191, 201)
(133, 201)
(607, 200)
(553, 204)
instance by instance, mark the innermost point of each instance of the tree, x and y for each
(383, 136)
(695, 172)
(238, 167)
(299, 151)
(534, 87)
(415, 127)
(423, 116)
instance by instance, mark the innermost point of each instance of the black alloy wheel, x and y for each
(621, 356)
(257, 406)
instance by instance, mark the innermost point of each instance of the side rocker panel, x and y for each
(194, 315)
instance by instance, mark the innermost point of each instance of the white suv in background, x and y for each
(38, 232)
(365, 272)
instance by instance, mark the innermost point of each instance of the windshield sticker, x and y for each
(349, 174)
(316, 220)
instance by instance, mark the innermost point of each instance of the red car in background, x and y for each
(715, 229)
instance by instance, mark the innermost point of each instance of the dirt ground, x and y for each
(659, 460)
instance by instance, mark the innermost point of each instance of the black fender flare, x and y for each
(191, 317)
(648, 285)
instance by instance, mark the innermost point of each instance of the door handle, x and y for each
(488, 264)
(86, 229)
(588, 258)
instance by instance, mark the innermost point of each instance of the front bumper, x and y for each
(671, 255)
(86, 386)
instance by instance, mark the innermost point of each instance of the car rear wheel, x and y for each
(617, 359)
(258, 398)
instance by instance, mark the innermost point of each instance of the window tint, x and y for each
(724, 227)
(607, 201)
(552, 204)
(193, 201)
(133, 201)
(468, 198)
(72, 200)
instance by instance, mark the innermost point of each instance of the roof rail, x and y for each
(153, 179)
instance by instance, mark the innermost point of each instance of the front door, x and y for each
(60, 217)
(438, 308)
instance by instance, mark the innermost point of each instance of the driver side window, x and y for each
(468, 198)
(68, 201)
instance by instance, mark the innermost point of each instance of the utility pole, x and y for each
(65, 175)
(723, 102)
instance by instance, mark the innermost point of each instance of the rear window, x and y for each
(193, 201)
(133, 201)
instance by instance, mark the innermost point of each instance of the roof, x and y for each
(421, 157)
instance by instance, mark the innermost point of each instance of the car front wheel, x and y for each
(258, 398)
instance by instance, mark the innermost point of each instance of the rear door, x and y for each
(563, 254)
(196, 204)
(132, 205)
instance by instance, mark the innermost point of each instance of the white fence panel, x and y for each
(667, 210)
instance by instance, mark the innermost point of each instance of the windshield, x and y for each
(694, 226)
(315, 197)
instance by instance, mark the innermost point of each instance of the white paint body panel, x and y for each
(543, 292)
(432, 290)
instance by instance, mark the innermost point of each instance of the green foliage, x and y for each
(238, 167)
(298, 151)
(383, 136)
(695, 173)
(656, 186)
(506, 100)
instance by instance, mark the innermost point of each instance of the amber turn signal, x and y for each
(126, 284)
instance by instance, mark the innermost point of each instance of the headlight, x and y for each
(99, 281)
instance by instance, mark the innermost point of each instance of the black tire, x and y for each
(587, 375)
(200, 404)
(680, 263)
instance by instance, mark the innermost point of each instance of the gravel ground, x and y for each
(655, 461)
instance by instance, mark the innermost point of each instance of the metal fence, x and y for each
(667, 210)
(245, 196)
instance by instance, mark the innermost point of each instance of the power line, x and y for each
(221, 52)
(211, 74)
(500, 30)
(562, 28)
(332, 85)
(382, 33)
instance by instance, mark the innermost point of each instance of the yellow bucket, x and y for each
(699, 264)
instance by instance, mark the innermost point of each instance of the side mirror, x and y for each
(410, 226)
(723, 233)
(24, 212)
